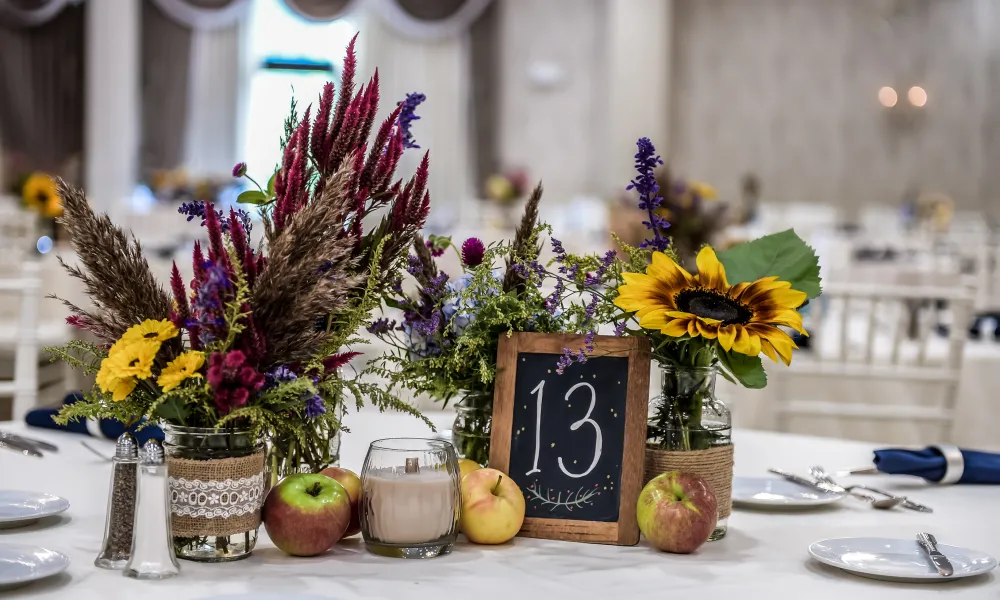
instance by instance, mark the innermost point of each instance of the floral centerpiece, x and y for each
(738, 306)
(254, 351)
(445, 343)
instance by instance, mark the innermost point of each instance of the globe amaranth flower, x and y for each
(407, 116)
(240, 169)
(437, 250)
(473, 251)
(232, 380)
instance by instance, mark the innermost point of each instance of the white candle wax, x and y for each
(410, 508)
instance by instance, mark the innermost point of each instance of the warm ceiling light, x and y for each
(917, 96)
(887, 97)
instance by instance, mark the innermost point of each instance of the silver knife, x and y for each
(940, 561)
(803, 481)
(21, 448)
(42, 444)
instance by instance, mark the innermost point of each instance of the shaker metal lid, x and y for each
(152, 453)
(126, 446)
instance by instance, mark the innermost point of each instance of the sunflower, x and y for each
(183, 367)
(39, 193)
(131, 359)
(744, 317)
(150, 331)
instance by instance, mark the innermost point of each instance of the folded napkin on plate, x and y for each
(937, 463)
(108, 428)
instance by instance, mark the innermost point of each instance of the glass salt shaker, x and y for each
(117, 545)
(152, 547)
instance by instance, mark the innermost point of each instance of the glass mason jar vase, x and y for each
(216, 483)
(686, 417)
(287, 456)
(472, 428)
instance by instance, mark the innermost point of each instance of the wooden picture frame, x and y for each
(624, 531)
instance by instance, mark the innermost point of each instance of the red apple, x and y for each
(351, 483)
(492, 507)
(677, 512)
(306, 514)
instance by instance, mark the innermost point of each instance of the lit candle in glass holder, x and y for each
(412, 497)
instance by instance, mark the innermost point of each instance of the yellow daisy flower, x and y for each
(131, 360)
(743, 317)
(183, 367)
(119, 388)
(150, 331)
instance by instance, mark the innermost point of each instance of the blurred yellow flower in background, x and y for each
(703, 190)
(40, 194)
(183, 367)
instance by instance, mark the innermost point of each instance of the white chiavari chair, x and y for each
(864, 333)
(26, 291)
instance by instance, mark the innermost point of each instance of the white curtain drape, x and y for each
(213, 101)
(438, 68)
(204, 14)
(422, 20)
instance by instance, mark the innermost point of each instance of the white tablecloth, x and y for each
(764, 555)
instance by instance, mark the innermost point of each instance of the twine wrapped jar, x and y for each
(690, 430)
(216, 482)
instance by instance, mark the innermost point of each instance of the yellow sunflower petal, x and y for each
(707, 330)
(711, 273)
(653, 319)
(123, 388)
(768, 349)
(782, 344)
(674, 328)
(727, 335)
(666, 270)
(746, 342)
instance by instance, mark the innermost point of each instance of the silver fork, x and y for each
(820, 474)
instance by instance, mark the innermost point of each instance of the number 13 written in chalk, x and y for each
(539, 389)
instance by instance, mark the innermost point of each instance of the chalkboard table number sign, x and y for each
(573, 442)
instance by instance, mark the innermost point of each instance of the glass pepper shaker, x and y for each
(152, 547)
(117, 546)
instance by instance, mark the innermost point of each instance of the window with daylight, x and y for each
(287, 55)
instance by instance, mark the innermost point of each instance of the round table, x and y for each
(764, 555)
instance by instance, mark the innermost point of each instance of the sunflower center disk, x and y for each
(711, 305)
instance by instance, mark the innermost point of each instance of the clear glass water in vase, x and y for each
(687, 416)
(473, 425)
(209, 444)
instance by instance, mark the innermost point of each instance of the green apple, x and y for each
(492, 507)
(306, 514)
(351, 483)
(466, 466)
(677, 512)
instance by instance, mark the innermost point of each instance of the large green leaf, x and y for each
(748, 370)
(783, 254)
(252, 197)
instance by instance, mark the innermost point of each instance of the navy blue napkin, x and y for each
(110, 428)
(929, 463)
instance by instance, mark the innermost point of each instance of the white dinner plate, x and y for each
(898, 560)
(18, 509)
(772, 492)
(23, 564)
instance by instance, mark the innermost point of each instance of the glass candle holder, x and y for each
(412, 497)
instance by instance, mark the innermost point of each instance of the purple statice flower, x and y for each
(646, 161)
(278, 375)
(588, 341)
(597, 277)
(564, 361)
(380, 326)
(314, 406)
(407, 116)
(207, 306)
(620, 329)
(558, 250)
(436, 251)
(415, 266)
(552, 301)
(591, 307)
(239, 170)
(473, 251)
(196, 209)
